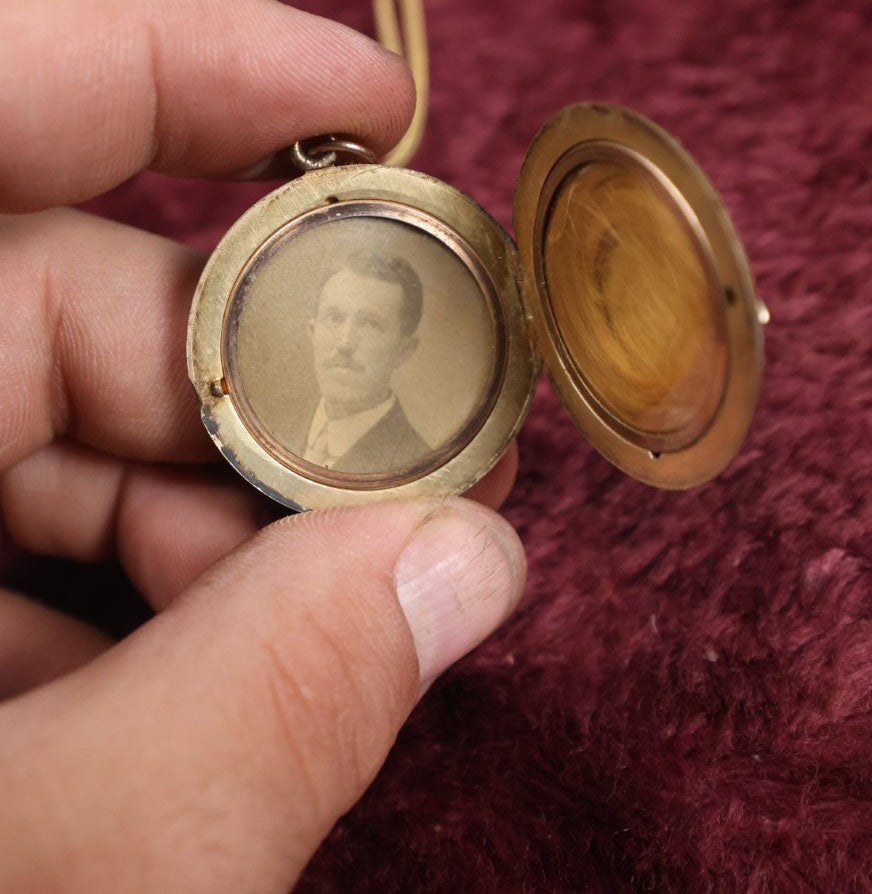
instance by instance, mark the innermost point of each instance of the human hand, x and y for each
(214, 748)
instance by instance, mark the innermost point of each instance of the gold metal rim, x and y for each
(409, 193)
(368, 208)
(712, 448)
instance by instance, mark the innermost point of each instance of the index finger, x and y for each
(188, 87)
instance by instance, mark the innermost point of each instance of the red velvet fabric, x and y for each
(684, 700)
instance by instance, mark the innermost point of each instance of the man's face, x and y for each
(357, 341)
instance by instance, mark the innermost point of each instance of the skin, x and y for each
(358, 342)
(213, 749)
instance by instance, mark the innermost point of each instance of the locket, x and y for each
(367, 332)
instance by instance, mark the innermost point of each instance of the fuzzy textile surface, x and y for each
(683, 701)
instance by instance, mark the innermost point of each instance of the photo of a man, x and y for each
(364, 328)
(361, 346)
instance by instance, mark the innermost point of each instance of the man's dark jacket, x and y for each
(391, 444)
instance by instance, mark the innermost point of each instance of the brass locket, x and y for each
(367, 332)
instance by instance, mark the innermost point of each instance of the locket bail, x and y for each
(316, 153)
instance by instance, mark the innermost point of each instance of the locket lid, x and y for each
(639, 295)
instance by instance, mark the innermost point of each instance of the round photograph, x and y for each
(362, 345)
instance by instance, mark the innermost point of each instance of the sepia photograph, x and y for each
(362, 346)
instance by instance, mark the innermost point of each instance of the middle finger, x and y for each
(166, 524)
(92, 345)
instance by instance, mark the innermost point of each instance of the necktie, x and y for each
(319, 454)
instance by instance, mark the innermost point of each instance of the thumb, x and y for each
(214, 749)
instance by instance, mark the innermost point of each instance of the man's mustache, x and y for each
(340, 362)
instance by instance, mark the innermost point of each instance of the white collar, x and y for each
(343, 434)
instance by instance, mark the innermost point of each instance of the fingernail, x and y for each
(458, 578)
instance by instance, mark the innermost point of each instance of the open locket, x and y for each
(367, 332)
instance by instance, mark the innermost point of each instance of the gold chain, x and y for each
(401, 27)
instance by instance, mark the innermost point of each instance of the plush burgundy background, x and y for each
(684, 700)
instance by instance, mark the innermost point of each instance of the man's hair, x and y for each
(390, 269)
